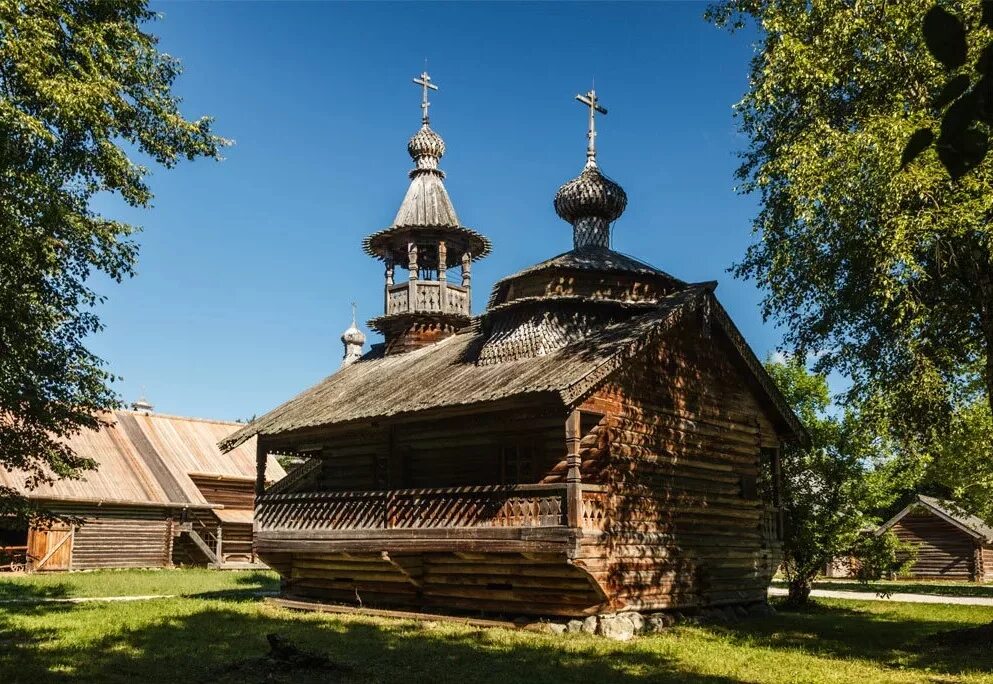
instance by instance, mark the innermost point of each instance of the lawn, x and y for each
(185, 582)
(946, 588)
(216, 631)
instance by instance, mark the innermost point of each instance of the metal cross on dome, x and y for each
(424, 80)
(593, 102)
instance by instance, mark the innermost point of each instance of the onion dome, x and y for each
(426, 143)
(353, 336)
(354, 340)
(590, 195)
(591, 201)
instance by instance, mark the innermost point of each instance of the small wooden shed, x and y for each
(162, 493)
(950, 544)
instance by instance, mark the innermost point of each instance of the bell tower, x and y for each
(427, 239)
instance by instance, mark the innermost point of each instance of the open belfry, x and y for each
(601, 438)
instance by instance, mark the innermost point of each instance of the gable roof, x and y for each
(146, 459)
(947, 511)
(371, 387)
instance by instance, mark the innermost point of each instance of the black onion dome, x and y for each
(591, 194)
(426, 143)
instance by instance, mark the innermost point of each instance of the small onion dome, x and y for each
(426, 143)
(353, 335)
(590, 195)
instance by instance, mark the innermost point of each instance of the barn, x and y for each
(601, 438)
(950, 544)
(162, 494)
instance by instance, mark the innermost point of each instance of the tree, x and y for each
(831, 488)
(81, 86)
(886, 274)
(966, 98)
(958, 465)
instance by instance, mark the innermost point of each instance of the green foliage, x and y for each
(966, 99)
(881, 556)
(830, 489)
(961, 462)
(886, 275)
(81, 86)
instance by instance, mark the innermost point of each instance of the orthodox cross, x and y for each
(593, 102)
(353, 314)
(424, 80)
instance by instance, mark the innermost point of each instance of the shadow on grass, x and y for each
(11, 590)
(889, 636)
(224, 643)
(250, 587)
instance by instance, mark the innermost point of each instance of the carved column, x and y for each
(466, 269)
(573, 477)
(442, 276)
(412, 276)
(389, 284)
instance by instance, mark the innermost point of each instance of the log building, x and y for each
(601, 438)
(950, 544)
(162, 494)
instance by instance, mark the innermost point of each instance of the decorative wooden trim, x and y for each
(573, 478)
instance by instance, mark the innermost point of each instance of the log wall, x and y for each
(509, 447)
(943, 550)
(680, 446)
(120, 537)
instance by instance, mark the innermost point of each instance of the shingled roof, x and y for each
(369, 388)
(147, 459)
(600, 259)
(947, 511)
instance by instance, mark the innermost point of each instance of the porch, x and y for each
(530, 517)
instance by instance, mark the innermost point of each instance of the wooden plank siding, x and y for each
(944, 551)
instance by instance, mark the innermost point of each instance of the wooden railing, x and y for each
(458, 507)
(427, 296)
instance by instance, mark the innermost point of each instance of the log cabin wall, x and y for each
(229, 492)
(943, 550)
(119, 537)
(506, 447)
(987, 556)
(680, 446)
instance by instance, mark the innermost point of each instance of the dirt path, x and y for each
(908, 598)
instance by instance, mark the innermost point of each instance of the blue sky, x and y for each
(248, 265)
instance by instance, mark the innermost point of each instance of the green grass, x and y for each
(185, 582)
(945, 588)
(211, 634)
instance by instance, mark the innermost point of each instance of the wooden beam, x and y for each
(261, 455)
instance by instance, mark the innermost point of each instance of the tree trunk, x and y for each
(799, 591)
(984, 267)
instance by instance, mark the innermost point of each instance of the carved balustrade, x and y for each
(427, 296)
(483, 506)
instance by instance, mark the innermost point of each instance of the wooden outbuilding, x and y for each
(950, 544)
(600, 439)
(162, 494)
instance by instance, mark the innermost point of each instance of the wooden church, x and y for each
(601, 438)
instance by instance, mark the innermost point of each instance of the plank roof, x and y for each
(381, 386)
(146, 459)
(948, 511)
